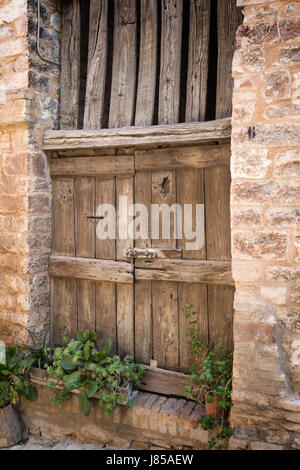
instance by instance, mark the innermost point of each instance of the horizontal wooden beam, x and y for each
(154, 379)
(91, 269)
(180, 134)
(165, 382)
(205, 272)
(201, 156)
(92, 166)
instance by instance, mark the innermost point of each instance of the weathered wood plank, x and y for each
(123, 88)
(217, 202)
(63, 223)
(220, 301)
(105, 194)
(147, 64)
(143, 289)
(229, 18)
(97, 58)
(106, 314)
(84, 198)
(63, 292)
(183, 157)
(207, 272)
(70, 65)
(198, 60)
(91, 269)
(170, 62)
(165, 324)
(92, 166)
(172, 134)
(164, 382)
(190, 190)
(63, 310)
(195, 295)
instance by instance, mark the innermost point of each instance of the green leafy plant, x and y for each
(38, 354)
(211, 378)
(15, 374)
(80, 365)
(7, 393)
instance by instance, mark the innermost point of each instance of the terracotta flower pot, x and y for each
(213, 408)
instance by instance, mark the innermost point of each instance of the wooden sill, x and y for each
(155, 380)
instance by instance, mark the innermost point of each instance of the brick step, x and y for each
(155, 421)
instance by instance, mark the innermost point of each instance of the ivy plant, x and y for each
(80, 365)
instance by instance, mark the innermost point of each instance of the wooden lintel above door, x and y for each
(139, 137)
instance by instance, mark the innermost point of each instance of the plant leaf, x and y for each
(85, 404)
(91, 389)
(107, 346)
(31, 393)
(67, 363)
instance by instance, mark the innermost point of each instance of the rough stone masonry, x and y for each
(29, 89)
(265, 216)
(265, 208)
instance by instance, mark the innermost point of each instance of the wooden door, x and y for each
(134, 291)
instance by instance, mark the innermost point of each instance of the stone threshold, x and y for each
(155, 421)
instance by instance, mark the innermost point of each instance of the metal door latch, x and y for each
(141, 253)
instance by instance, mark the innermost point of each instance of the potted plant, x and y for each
(210, 380)
(13, 383)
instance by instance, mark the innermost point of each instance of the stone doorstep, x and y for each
(154, 421)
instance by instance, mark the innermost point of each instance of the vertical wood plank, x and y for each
(217, 201)
(229, 18)
(195, 295)
(106, 317)
(143, 296)
(220, 300)
(63, 293)
(125, 294)
(164, 294)
(70, 65)
(190, 190)
(64, 310)
(144, 117)
(169, 86)
(85, 248)
(147, 64)
(164, 192)
(124, 65)
(165, 324)
(97, 61)
(121, 113)
(63, 241)
(198, 60)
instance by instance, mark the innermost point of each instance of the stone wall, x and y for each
(265, 215)
(28, 104)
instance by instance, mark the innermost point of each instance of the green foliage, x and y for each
(15, 373)
(80, 365)
(38, 353)
(7, 394)
(210, 379)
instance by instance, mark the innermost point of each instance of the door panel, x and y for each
(135, 291)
